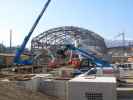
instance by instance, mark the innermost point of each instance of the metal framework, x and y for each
(57, 37)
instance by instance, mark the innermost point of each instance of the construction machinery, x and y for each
(87, 62)
(19, 52)
(92, 61)
(91, 57)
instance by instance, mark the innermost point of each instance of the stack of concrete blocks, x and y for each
(41, 83)
(32, 85)
(57, 88)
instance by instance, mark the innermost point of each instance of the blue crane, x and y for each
(17, 59)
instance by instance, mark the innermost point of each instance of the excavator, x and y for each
(91, 57)
(19, 52)
(88, 61)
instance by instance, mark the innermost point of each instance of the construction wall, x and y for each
(51, 87)
(56, 88)
(32, 85)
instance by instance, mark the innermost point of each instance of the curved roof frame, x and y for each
(60, 36)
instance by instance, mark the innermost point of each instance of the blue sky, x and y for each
(105, 17)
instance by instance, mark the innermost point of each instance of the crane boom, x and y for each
(23, 45)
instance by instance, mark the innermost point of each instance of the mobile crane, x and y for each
(19, 52)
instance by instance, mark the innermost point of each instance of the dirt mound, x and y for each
(9, 91)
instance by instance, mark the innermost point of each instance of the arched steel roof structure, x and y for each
(68, 35)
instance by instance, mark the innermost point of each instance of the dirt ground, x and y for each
(9, 91)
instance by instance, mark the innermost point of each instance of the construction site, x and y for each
(67, 63)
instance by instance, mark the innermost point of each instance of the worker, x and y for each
(75, 61)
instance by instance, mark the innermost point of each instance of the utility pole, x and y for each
(10, 38)
(123, 43)
(123, 46)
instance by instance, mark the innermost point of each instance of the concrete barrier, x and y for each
(32, 85)
(56, 88)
